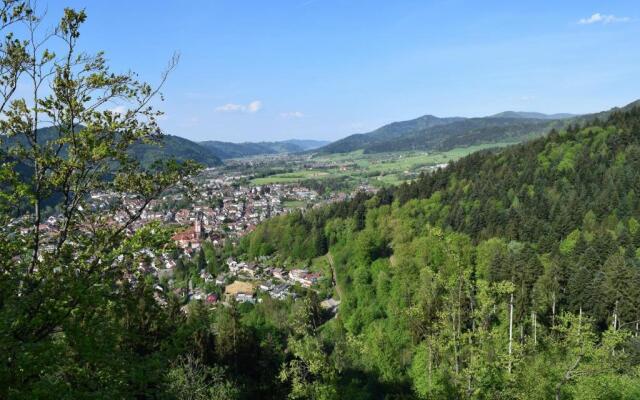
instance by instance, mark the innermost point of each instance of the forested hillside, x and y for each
(386, 133)
(174, 147)
(510, 274)
(226, 150)
(467, 132)
(433, 133)
(147, 152)
(534, 115)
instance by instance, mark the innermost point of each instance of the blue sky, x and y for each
(323, 69)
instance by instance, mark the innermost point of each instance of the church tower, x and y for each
(198, 227)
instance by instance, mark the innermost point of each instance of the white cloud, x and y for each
(252, 107)
(119, 110)
(292, 114)
(598, 18)
(230, 107)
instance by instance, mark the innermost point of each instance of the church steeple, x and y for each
(198, 226)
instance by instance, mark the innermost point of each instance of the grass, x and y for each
(380, 168)
(289, 177)
(293, 203)
(320, 264)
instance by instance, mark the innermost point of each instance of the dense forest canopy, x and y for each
(503, 269)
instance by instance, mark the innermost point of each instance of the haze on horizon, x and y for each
(324, 69)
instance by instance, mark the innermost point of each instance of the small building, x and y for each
(221, 279)
(187, 239)
(206, 276)
(234, 267)
(278, 273)
(330, 305)
(239, 290)
(280, 292)
(212, 298)
(303, 277)
(192, 237)
(266, 286)
(245, 298)
(249, 269)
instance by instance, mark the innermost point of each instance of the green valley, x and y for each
(374, 169)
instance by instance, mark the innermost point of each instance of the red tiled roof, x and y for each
(189, 234)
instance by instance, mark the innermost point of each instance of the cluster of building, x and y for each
(221, 211)
(276, 282)
(244, 280)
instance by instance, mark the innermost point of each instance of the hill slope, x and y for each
(433, 133)
(225, 150)
(541, 239)
(177, 148)
(464, 133)
(170, 147)
(532, 115)
(386, 134)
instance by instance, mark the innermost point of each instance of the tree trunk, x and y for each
(580, 321)
(510, 329)
(455, 344)
(553, 310)
(535, 327)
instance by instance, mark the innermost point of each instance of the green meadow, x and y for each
(378, 169)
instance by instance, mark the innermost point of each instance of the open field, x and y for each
(380, 169)
(293, 203)
(291, 177)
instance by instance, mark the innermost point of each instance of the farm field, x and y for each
(380, 169)
(293, 204)
(289, 177)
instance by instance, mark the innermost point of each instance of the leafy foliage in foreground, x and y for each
(76, 318)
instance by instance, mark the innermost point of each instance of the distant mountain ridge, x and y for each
(226, 150)
(307, 144)
(386, 133)
(174, 147)
(169, 147)
(532, 115)
(431, 133)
